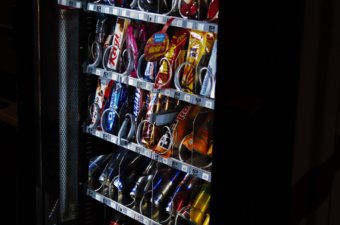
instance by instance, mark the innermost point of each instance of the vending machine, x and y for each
(165, 112)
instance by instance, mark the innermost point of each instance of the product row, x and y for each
(191, 9)
(167, 126)
(161, 193)
(168, 57)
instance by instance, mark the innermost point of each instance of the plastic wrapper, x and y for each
(193, 9)
(96, 167)
(181, 196)
(117, 43)
(213, 10)
(165, 73)
(149, 133)
(136, 37)
(144, 182)
(102, 93)
(209, 82)
(200, 44)
(110, 117)
(200, 205)
(200, 140)
(158, 44)
(129, 174)
(165, 186)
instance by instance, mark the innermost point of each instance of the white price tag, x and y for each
(91, 7)
(98, 72)
(165, 161)
(149, 87)
(114, 76)
(133, 15)
(189, 25)
(179, 23)
(159, 19)
(147, 153)
(130, 82)
(114, 139)
(184, 168)
(200, 26)
(124, 13)
(208, 104)
(167, 92)
(113, 205)
(98, 133)
(98, 197)
(63, 2)
(141, 16)
(107, 10)
(205, 176)
(187, 98)
(146, 221)
(78, 4)
(115, 11)
(131, 214)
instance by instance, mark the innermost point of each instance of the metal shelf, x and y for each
(121, 208)
(153, 17)
(135, 82)
(172, 162)
(71, 3)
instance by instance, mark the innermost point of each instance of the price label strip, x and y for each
(107, 201)
(200, 26)
(107, 10)
(107, 137)
(197, 172)
(90, 7)
(130, 214)
(99, 197)
(184, 168)
(115, 11)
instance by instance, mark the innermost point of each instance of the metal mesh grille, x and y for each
(68, 59)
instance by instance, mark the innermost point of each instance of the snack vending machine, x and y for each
(129, 111)
(177, 112)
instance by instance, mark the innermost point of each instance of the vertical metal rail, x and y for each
(68, 68)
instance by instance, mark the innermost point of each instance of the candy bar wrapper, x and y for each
(184, 122)
(150, 71)
(201, 141)
(149, 132)
(136, 37)
(101, 27)
(213, 10)
(158, 103)
(210, 151)
(193, 9)
(108, 40)
(141, 101)
(163, 146)
(200, 43)
(102, 94)
(119, 94)
(180, 58)
(189, 8)
(163, 78)
(117, 43)
(208, 86)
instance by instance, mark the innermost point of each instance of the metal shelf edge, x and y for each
(71, 3)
